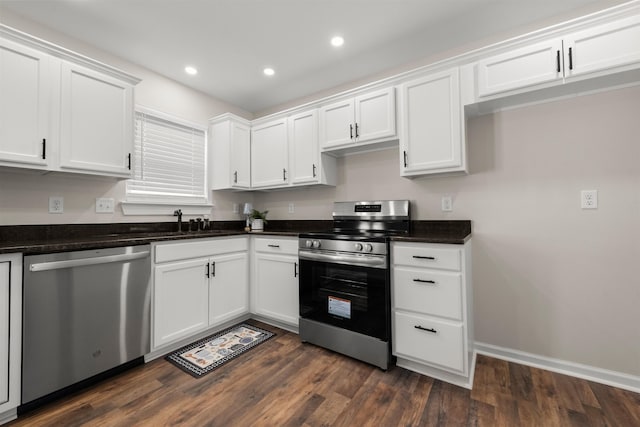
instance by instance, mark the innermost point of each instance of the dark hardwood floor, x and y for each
(285, 383)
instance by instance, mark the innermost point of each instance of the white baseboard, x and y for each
(10, 415)
(591, 373)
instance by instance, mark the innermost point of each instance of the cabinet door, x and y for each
(303, 143)
(431, 138)
(375, 115)
(607, 46)
(228, 287)
(24, 106)
(4, 331)
(526, 66)
(96, 134)
(240, 151)
(181, 300)
(277, 287)
(337, 124)
(269, 154)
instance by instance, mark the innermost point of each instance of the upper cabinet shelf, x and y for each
(367, 118)
(61, 111)
(598, 51)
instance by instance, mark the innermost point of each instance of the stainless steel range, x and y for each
(345, 281)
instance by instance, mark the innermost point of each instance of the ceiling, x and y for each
(230, 42)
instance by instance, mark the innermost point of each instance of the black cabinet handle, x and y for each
(405, 158)
(295, 269)
(213, 269)
(235, 177)
(129, 161)
(314, 171)
(208, 274)
(425, 257)
(558, 61)
(284, 174)
(351, 131)
(433, 331)
(424, 281)
(571, 58)
(44, 148)
(273, 246)
(357, 131)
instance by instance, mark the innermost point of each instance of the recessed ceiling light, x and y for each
(268, 71)
(337, 41)
(190, 70)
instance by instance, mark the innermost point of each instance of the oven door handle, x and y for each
(365, 261)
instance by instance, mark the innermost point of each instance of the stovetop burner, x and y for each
(366, 221)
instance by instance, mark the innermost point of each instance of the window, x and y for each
(169, 161)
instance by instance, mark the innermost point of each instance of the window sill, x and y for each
(164, 209)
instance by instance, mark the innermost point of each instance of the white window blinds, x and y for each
(169, 161)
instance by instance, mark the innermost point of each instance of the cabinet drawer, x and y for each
(424, 255)
(198, 248)
(426, 291)
(276, 245)
(439, 343)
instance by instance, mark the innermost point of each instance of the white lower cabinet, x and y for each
(228, 287)
(197, 285)
(10, 334)
(432, 310)
(275, 279)
(181, 298)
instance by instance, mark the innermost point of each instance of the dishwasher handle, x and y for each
(56, 265)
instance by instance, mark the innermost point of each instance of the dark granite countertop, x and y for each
(39, 239)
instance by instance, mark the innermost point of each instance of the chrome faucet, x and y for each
(178, 213)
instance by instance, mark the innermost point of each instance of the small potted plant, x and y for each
(258, 220)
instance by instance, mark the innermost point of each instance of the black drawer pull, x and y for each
(433, 331)
(558, 61)
(424, 281)
(273, 246)
(432, 258)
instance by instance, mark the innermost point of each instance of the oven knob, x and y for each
(368, 247)
(315, 244)
(308, 244)
(358, 246)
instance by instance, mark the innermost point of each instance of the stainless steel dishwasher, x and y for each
(85, 313)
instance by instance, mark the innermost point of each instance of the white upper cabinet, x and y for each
(58, 115)
(431, 135)
(25, 89)
(307, 165)
(230, 153)
(599, 50)
(366, 118)
(527, 66)
(604, 47)
(96, 134)
(269, 151)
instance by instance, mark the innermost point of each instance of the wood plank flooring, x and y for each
(286, 383)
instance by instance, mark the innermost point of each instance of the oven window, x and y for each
(350, 297)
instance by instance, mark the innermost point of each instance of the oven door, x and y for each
(350, 294)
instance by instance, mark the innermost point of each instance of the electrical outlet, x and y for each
(56, 205)
(236, 209)
(291, 208)
(589, 199)
(104, 205)
(447, 204)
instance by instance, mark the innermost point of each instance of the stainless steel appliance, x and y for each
(344, 280)
(85, 313)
